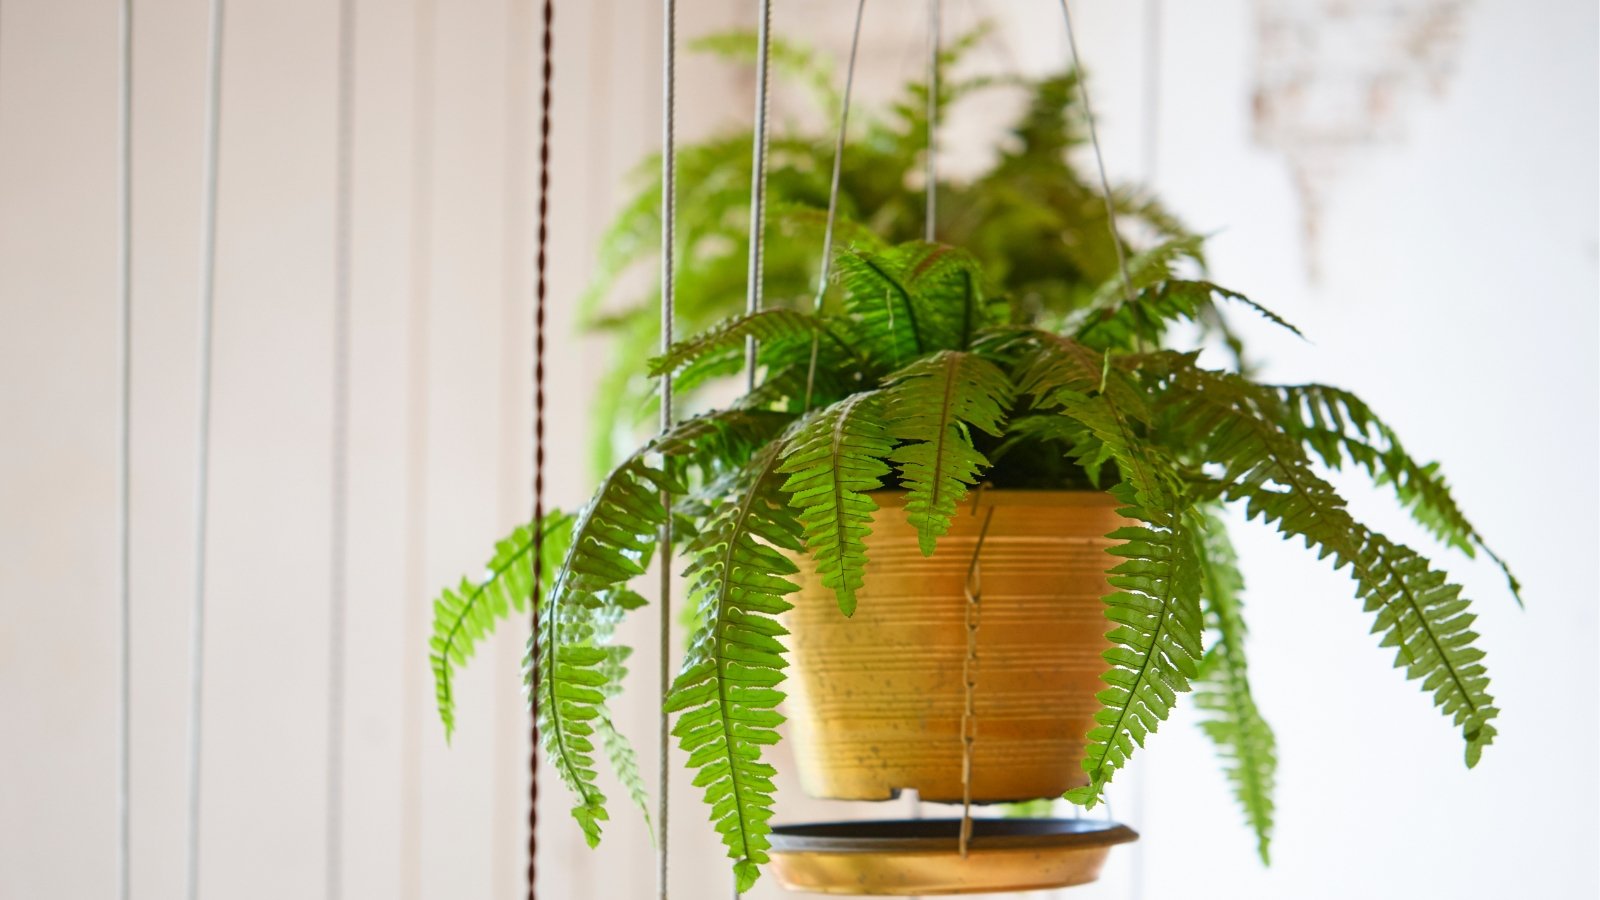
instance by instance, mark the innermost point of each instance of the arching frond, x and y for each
(1156, 605)
(465, 614)
(731, 334)
(726, 694)
(612, 540)
(1243, 738)
(932, 404)
(1337, 426)
(832, 462)
(1119, 325)
(1224, 418)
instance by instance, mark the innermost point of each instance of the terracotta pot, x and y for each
(876, 700)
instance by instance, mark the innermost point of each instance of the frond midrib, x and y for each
(724, 585)
(1352, 554)
(447, 683)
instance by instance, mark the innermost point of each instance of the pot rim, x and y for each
(1068, 497)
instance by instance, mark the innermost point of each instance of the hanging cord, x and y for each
(931, 214)
(758, 184)
(338, 513)
(669, 176)
(969, 669)
(208, 282)
(124, 445)
(833, 197)
(1099, 159)
(669, 203)
(541, 292)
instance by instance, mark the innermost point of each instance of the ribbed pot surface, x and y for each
(876, 699)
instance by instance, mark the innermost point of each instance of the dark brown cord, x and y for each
(541, 289)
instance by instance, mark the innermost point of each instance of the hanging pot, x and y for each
(876, 699)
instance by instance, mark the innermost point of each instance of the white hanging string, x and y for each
(833, 194)
(208, 279)
(124, 446)
(669, 200)
(1099, 159)
(930, 215)
(338, 513)
(758, 183)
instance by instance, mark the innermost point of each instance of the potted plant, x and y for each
(918, 393)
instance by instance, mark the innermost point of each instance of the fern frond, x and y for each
(612, 541)
(1156, 613)
(463, 616)
(1337, 425)
(1119, 325)
(1156, 606)
(721, 440)
(1150, 267)
(877, 296)
(731, 334)
(1233, 722)
(932, 406)
(727, 691)
(1417, 611)
(832, 462)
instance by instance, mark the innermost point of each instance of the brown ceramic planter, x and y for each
(876, 699)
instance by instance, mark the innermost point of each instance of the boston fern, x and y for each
(927, 382)
(1012, 355)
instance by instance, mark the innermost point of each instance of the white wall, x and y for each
(1457, 293)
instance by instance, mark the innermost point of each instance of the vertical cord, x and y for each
(758, 183)
(973, 588)
(669, 200)
(1099, 159)
(124, 447)
(208, 280)
(541, 292)
(833, 195)
(931, 214)
(338, 513)
(417, 457)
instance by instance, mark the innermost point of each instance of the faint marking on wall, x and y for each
(1337, 79)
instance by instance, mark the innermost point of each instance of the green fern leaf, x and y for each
(463, 616)
(1417, 611)
(612, 540)
(727, 691)
(730, 336)
(932, 404)
(880, 300)
(1232, 720)
(1156, 613)
(832, 463)
(1337, 425)
(1155, 609)
(1119, 325)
